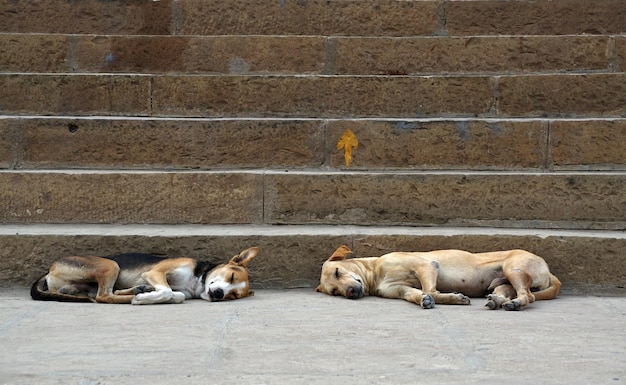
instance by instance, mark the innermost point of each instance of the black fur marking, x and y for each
(130, 260)
(203, 268)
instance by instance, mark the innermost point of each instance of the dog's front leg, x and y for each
(135, 290)
(411, 294)
(161, 294)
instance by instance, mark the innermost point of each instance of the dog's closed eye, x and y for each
(232, 278)
(337, 274)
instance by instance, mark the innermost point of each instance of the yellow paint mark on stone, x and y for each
(347, 142)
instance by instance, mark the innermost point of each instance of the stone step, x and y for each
(454, 144)
(568, 200)
(321, 55)
(291, 256)
(346, 17)
(561, 95)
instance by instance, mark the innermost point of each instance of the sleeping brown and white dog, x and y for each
(143, 279)
(511, 279)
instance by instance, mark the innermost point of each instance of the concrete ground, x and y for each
(303, 337)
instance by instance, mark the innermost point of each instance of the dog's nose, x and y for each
(216, 294)
(354, 292)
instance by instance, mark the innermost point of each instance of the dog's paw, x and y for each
(512, 305)
(142, 289)
(144, 299)
(492, 302)
(428, 302)
(464, 300)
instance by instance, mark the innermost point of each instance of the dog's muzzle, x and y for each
(216, 295)
(354, 292)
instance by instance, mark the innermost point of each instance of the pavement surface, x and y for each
(303, 337)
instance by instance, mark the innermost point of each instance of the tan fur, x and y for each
(166, 281)
(512, 278)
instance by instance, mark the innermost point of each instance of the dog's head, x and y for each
(341, 277)
(230, 280)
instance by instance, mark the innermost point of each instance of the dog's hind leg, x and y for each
(521, 284)
(106, 277)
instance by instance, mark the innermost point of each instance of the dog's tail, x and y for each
(551, 291)
(39, 291)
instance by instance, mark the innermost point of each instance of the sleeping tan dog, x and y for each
(511, 279)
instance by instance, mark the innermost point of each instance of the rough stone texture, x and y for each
(126, 197)
(315, 96)
(6, 145)
(312, 55)
(620, 53)
(441, 145)
(569, 200)
(543, 17)
(74, 94)
(595, 145)
(87, 16)
(356, 18)
(295, 260)
(34, 53)
(420, 55)
(316, 17)
(195, 54)
(563, 95)
(149, 144)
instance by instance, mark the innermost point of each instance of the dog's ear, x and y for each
(244, 258)
(341, 253)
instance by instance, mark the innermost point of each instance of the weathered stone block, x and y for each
(250, 17)
(34, 53)
(74, 94)
(198, 54)
(131, 197)
(435, 55)
(96, 143)
(255, 55)
(520, 199)
(6, 145)
(440, 145)
(563, 95)
(542, 17)
(87, 17)
(274, 96)
(620, 53)
(593, 145)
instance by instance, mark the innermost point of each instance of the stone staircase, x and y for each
(203, 127)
